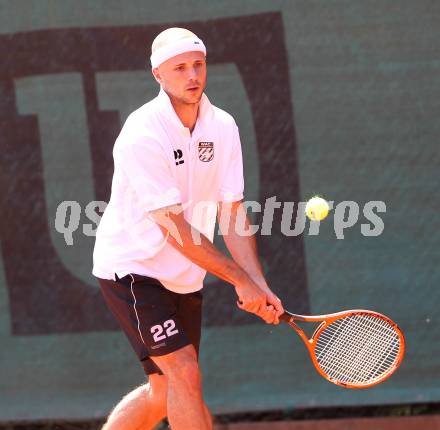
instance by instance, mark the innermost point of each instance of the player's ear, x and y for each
(156, 75)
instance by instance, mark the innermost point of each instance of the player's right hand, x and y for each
(253, 299)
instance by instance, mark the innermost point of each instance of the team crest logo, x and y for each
(206, 151)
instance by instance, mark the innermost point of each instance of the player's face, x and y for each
(183, 76)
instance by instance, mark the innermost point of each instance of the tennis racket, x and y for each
(353, 349)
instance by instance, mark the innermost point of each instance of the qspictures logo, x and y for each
(346, 216)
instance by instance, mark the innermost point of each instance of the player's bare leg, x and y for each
(185, 405)
(141, 409)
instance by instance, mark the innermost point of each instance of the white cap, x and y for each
(172, 49)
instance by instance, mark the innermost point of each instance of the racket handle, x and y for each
(285, 317)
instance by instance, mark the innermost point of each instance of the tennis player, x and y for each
(178, 166)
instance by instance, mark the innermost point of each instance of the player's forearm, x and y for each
(201, 251)
(207, 256)
(244, 252)
(235, 226)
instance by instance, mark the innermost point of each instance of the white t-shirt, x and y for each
(159, 163)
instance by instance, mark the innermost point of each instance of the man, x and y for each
(177, 159)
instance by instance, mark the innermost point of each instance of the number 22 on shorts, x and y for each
(168, 326)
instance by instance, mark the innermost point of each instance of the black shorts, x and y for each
(156, 321)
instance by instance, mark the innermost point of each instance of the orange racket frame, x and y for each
(325, 321)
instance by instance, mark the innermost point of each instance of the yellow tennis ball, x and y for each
(317, 208)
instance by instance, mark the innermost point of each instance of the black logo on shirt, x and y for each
(178, 155)
(206, 151)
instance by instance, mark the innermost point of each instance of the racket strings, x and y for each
(357, 349)
(354, 331)
(356, 362)
(359, 361)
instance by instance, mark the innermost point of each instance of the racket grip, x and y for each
(285, 317)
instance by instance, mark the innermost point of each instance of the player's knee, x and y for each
(181, 367)
(189, 373)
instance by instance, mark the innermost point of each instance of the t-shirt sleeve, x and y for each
(149, 173)
(232, 187)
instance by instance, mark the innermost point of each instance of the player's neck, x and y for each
(187, 113)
